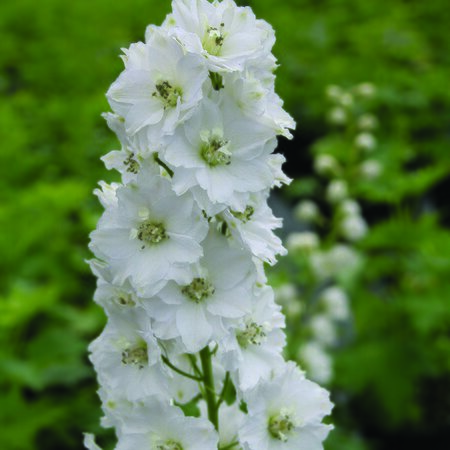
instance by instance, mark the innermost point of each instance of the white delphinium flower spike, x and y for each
(286, 413)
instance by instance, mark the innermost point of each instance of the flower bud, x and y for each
(306, 211)
(370, 169)
(365, 141)
(337, 191)
(326, 165)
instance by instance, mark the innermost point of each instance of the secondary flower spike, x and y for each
(181, 246)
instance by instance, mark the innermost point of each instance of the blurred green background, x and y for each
(57, 59)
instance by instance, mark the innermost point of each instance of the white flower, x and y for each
(365, 141)
(275, 162)
(286, 295)
(365, 89)
(107, 194)
(367, 122)
(230, 420)
(134, 151)
(159, 87)
(326, 165)
(317, 361)
(302, 241)
(337, 116)
(252, 351)
(286, 413)
(306, 211)
(227, 36)
(252, 228)
(156, 425)
(337, 191)
(353, 228)
(334, 92)
(89, 442)
(149, 235)
(335, 261)
(323, 329)
(336, 302)
(115, 299)
(258, 102)
(370, 169)
(222, 153)
(126, 357)
(349, 207)
(219, 291)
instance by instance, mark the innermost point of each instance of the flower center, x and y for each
(151, 232)
(282, 425)
(244, 216)
(131, 164)
(214, 150)
(126, 299)
(213, 40)
(198, 290)
(169, 445)
(167, 93)
(136, 356)
(252, 334)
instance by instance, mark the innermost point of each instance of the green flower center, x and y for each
(167, 93)
(252, 334)
(136, 356)
(215, 152)
(151, 232)
(169, 445)
(213, 40)
(281, 426)
(244, 216)
(198, 290)
(126, 299)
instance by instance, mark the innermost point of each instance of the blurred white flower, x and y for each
(306, 211)
(365, 141)
(337, 191)
(367, 122)
(326, 165)
(337, 116)
(371, 169)
(302, 241)
(317, 362)
(336, 303)
(353, 228)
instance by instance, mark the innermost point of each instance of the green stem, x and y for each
(229, 446)
(208, 381)
(224, 389)
(181, 372)
(162, 164)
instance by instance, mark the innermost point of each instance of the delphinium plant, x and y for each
(191, 355)
(324, 252)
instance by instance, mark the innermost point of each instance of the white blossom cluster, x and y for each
(327, 244)
(181, 245)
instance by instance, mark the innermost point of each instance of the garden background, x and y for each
(57, 59)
